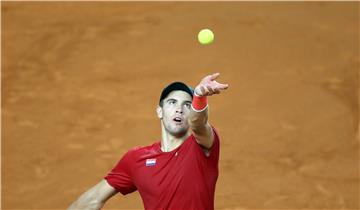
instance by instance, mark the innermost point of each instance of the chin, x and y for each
(180, 133)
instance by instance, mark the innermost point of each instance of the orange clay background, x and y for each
(81, 81)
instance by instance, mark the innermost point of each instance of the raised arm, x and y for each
(94, 198)
(199, 112)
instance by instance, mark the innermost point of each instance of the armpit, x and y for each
(206, 151)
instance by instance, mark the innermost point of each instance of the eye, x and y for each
(188, 105)
(171, 102)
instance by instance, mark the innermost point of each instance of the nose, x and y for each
(179, 109)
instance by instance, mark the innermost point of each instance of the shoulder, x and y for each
(141, 150)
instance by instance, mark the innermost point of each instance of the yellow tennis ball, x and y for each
(206, 36)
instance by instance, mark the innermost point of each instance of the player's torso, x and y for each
(176, 177)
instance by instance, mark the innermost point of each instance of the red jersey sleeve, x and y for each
(120, 176)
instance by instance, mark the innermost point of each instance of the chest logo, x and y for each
(150, 162)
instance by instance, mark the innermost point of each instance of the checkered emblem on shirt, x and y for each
(150, 162)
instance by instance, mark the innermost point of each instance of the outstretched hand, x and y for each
(208, 86)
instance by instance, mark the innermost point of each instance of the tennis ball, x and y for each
(206, 36)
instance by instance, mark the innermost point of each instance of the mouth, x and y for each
(178, 120)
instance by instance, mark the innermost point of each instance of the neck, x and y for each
(170, 142)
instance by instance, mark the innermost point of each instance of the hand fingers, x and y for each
(206, 90)
(219, 88)
(223, 86)
(210, 90)
(214, 76)
(214, 90)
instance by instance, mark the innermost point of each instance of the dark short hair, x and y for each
(175, 86)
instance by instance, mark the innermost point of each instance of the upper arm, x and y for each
(95, 197)
(204, 136)
(103, 191)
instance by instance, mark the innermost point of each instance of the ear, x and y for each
(159, 112)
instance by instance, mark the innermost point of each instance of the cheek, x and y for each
(187, 114)
(166, 114)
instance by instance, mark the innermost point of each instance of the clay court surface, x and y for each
(81, 81)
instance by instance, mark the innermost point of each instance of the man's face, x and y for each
(175, 112)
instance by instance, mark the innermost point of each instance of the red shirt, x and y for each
(184, 178)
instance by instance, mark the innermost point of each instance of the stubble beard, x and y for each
(177, 132)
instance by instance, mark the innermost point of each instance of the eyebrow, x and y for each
(177, 100)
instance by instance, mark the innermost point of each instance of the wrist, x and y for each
(199, 103)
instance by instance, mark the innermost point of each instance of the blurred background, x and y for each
(81, 82)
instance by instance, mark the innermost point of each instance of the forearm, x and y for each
(86, 205)
(94, 198)
(199, 112)
(198, 119)
(86, 201)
